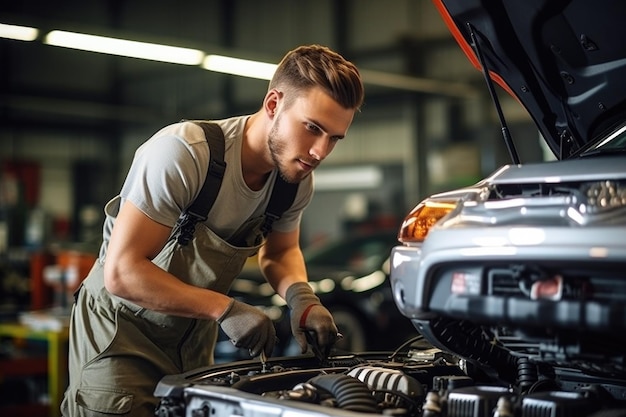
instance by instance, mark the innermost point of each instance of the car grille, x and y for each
(578, 283)
(501, 282)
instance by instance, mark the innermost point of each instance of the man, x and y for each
(151, 306)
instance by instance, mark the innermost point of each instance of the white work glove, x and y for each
(308, 313)
(248, 327)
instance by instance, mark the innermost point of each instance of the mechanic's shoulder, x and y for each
(186, 131)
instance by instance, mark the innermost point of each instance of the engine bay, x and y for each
(417, 380)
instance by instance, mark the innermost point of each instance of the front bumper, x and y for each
(558, 277)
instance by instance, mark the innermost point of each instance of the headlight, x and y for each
(418, 222)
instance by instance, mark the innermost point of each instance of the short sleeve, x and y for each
(165, 176)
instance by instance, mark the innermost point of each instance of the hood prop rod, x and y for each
(494, 97)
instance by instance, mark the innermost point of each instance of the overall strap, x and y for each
(199, 209)
(281, 199)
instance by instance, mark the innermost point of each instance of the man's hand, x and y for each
(248, 327)
(308, 313)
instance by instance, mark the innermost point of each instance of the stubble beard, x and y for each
(276, 147)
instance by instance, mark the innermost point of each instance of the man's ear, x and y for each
(271, 102)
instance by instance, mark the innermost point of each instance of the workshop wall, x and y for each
(80, 115)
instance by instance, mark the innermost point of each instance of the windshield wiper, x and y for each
(603, 152)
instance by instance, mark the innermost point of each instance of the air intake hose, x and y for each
(351, 394)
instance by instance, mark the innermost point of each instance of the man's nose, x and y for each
(320, 148)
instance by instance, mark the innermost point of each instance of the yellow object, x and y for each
(418, 222)
(56, 358)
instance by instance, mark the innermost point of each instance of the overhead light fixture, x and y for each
(20, 33)
(123, 47)
(218, 63)
(237, 66)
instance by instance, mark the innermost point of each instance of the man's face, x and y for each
(306, 132)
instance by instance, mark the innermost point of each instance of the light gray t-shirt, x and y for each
(169, 169)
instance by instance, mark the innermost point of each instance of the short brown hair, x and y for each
(318, 66)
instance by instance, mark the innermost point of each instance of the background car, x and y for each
(351, 277)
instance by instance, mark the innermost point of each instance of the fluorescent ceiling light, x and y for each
(236, 66)
(218, 63)
(123, 47)
(20, 33)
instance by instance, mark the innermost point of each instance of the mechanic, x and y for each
(151, 306)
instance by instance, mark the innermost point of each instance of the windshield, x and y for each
(613, 143)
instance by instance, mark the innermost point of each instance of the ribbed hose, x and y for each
(351, 394)
(466, 340)
(527, 374)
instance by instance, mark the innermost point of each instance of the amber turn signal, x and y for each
(418, 222)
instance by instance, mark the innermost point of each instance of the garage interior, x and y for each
(71, 120)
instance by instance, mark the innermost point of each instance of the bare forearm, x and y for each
(149, 286)
(283, 269)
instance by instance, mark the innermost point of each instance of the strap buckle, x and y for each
(187, 227)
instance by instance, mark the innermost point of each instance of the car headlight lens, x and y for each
(418, 222)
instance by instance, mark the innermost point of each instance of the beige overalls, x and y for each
(119, 351)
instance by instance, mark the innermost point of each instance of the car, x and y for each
(523, 273)
(516, 285)
(350, 274)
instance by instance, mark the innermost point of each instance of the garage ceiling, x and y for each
(48, 87)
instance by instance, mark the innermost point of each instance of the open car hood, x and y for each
(564, 61)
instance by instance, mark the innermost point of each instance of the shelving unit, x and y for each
(53, 365)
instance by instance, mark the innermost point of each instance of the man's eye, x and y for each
(312, 127)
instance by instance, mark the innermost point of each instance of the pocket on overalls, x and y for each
(104, 400)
